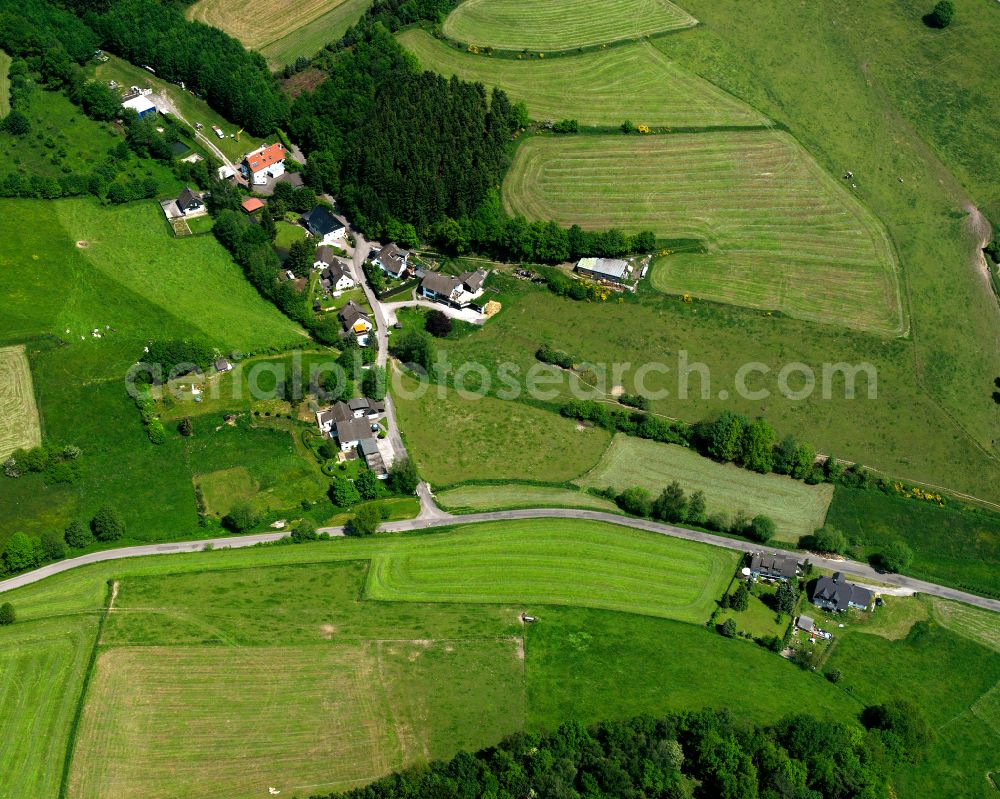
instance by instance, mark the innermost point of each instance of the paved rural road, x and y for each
(443, 519)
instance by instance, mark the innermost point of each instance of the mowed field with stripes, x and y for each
(561, 24)
(601, 88)
(19, 422)
(780, 233)
(282, 30)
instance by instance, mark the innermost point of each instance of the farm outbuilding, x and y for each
(613, 269)
(141, 105)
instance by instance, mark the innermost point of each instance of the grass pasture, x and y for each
(476, 498)
(230, 722)
(600, 88)
(4, 84)
(561, 24)
(41, 672)
(19, 422)
(488, 438)
(781, 233)
(797, 508)
(282, 30)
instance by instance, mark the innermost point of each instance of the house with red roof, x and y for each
(264, 163)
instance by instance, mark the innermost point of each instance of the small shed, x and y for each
(252, 204)
(805, 624)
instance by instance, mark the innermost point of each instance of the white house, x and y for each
(458, 291)
(393, 261)
(264, 163)
(336, 277)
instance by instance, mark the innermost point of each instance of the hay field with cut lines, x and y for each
(282, 30)
(780, 233)
(561, 24)
(19, 422)
(634, 81)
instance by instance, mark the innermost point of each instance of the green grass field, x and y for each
(190, 107)
(19, 422)
(560, 25)
(452, 439)
(869, 88)
(957, 546)
(476, 498)
(281, 30)
(41, 672)
(602, 88)
(781, 234)
(558, 562)
(224, 669)
(4, 83)
(797, 508)
(132, 281)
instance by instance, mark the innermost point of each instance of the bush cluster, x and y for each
(59, 464)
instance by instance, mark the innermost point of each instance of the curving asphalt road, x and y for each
(432, 516)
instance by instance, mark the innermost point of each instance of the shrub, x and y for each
(762, 528)
(304, 531)
(902, 726)
(403, 477)
(438, 324)
(241, 517)
(671, 505)
(941, 16)
(11, 467)
(718, 522)
(368, 485)
(895, 557)
(21, 552)
(343, 493)
(834, 675)
(825, 539)
(185, 427)
(53, 546)
(7, 614)
(740, 600)
(728, 628)
(107, 524)
(635, 501)
(77, 535)
(365, 521)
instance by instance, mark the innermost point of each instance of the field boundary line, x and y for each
(81, 702)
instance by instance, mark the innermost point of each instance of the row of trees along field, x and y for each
(692, 755)
(232, 80)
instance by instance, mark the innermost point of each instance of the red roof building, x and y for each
(265, 158)
(252, 204)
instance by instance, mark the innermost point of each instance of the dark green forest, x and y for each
(703, 755)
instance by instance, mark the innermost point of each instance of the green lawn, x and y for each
(558, 562)
(901, 430)
(63, 140)
(869, 88)
(952, 679)
(780, 233)
(452, 439)
(375, 685)
(796, 508)
(476, 498)
(560, 25)
(601, 88)
(288, 233)
(957, 546)
(4, 84)
(759, 619)
(132, 281)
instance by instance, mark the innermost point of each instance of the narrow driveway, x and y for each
(164, 103)
(439, 518)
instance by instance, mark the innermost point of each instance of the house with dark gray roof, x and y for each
(458, 291)
(321, 223)
(352, 432)
(354, 319)
(393, 261)
(836, 594)
(190, 200)
(340, 412)
(336, 276)
(773, 567)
